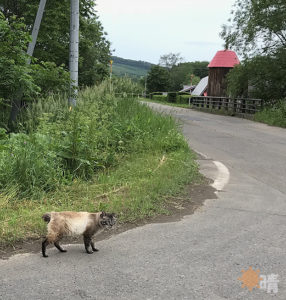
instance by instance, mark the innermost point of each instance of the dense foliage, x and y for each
(256, 27)
(158, 79)
(260, 77)
(18, 79)
(14, 71)
(58, 145)
(180, 73)
(187, 73)
(53, 39)
(48, 72)
(257, 30)
(274, 115)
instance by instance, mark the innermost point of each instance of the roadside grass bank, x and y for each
(137, 188)
(274, 116)
(106, 154)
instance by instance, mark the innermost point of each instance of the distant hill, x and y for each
(132, 68)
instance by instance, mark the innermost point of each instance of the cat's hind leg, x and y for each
(59, 247)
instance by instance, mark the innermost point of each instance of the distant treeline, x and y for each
(133, 63)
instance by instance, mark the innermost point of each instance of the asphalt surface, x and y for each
(199, 257)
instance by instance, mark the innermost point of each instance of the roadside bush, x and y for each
(29, 164)
(52, 79)
(59, 145)
(160, 98)
(275, 115)
(125, 85)
(172, 96)
(183, 99)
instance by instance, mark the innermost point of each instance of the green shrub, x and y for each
(50, 78)
(59, 144)
(151, 95)
(30, 164)
(183, 99)
(172, 96)
(160, 97)
(125, 85)
(275, 115)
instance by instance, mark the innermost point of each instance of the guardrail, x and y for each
(232, 105)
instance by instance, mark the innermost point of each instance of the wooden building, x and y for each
(221, 64)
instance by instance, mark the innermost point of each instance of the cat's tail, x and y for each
(46, 217)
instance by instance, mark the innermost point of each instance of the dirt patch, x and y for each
(178, 207)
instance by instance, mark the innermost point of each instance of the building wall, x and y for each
(217, 82)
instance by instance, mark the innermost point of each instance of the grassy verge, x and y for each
(274, 116)
(136, 189)
(107, 154)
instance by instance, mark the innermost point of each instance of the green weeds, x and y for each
(275, 116)
(106, 153)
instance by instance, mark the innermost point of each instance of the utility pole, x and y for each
(36, 29)
(16, 103)
(192, 76)
(74, 51)
(145, 88)
(110, 83)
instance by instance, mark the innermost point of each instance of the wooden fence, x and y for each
(231, 105)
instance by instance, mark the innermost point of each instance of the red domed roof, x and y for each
(224, 59)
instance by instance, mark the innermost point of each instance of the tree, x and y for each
(181, 73)
(260, 77)
(256, 27)
(94, 52)
(15, 74)
(237, 81)
(53, 39)
(257, 30)
(170, 60)
(200, 68)
(191, 79)
(17, 78)
(49, 69)
(158, 79)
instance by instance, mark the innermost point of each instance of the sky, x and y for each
(146, 29)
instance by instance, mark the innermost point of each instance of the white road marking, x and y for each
(201, 154)
(223, 176)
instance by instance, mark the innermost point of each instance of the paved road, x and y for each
(199, 257)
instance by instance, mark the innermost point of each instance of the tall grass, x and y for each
(106, 153)
(58, 144)
(275, 115)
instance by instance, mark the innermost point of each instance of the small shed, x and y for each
(222, 63)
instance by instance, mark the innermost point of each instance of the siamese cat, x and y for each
(68, 223)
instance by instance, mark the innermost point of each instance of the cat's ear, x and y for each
(102, 214)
